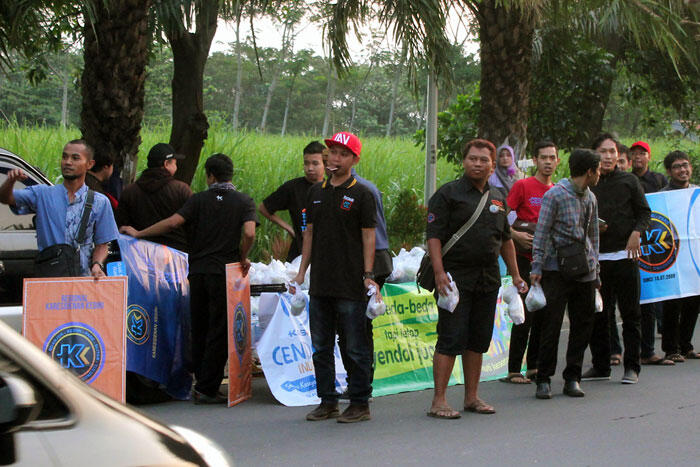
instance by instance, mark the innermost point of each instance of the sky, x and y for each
(309, 36)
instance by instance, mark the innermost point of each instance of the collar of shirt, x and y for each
(468, 185)
(350, 182)
(79, 195)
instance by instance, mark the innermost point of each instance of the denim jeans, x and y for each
(325, 313)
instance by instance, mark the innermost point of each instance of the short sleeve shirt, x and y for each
(338, 215)
(291, 196)
(473, 260)
(214, 219)
(525, 198)
(58, 219)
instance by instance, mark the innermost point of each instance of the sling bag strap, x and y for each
(467, 225)
(84, 219)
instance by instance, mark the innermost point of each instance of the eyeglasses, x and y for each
(684, 165)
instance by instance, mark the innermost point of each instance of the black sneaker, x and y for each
(202, 399)
(355, 413)
(594, 375)
(631, 377)
(324, 411)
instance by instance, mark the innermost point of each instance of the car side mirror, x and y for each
(19, 405)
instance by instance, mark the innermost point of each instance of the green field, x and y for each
(263, 162)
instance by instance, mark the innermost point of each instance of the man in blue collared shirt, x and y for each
(59, 208)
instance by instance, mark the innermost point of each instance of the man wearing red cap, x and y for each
(339, 241)
(640, 155)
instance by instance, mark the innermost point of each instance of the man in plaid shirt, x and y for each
(569, 214)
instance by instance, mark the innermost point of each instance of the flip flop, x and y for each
(479, 406)
(615, 360)
(692, 355)
(657, 361)
(515, 378)
(675, 357)
(439, 412)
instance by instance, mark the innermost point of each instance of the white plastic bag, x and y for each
(298, 301)
(535, 299)
(598, 301)
(374, 306)
(449, 302)
(516, 311)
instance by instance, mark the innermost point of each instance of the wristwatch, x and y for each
(102, 266)
(368, 275)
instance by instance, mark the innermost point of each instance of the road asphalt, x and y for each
(655, 422)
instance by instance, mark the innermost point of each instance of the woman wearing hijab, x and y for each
(506, 172)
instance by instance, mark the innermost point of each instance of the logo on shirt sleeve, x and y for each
(346, 203)
(431, 217)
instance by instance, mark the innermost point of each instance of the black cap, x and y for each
(162, 152)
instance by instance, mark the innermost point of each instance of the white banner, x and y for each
(285, 354)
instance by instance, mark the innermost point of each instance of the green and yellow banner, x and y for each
(405, 337)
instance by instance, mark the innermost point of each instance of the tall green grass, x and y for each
(261, 162)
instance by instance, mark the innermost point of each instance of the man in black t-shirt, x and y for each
(652, 313)
(220, 224)
(291, 196)
(339, 243)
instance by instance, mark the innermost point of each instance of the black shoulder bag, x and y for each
(425, 277)
(63, 260)
(572, 260)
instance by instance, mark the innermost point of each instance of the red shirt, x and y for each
(525, 198)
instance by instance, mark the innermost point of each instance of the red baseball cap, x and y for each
(642, 145)
(347, 140)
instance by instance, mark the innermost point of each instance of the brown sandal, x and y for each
(615, 359)
(656, 360)
(515, 378)
(444, 413)
(675, 357)
(479, 406)
(692, 355)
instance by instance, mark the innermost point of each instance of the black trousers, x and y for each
(620, 283)
(580, 297)
(530, 328)
(615, 344)
(209, 330)
(680, 316)
(650, 312)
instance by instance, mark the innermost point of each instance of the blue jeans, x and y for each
(325, 313)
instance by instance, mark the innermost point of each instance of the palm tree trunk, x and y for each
(506, 37)
(115, 51)
(190, 51)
